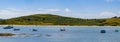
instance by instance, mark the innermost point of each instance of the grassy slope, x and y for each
(113, 21)
(48, 19)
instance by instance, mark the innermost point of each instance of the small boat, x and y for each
(116, 30)
(48, 35)
(16, 29)
(102, 31)
(34, 29)
(62, 29)
(8, 27)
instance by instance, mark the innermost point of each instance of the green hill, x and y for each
(113, 21)
(49, 19)
(0, 19)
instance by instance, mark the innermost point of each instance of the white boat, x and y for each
(62, 29)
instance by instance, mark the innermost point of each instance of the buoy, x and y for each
(34, 30)
(102, 31)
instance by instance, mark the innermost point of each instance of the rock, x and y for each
(6, 34)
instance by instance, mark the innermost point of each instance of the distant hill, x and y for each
(113, 21)
(1, 19)
(49, 19)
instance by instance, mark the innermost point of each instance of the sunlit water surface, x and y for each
(53, 34)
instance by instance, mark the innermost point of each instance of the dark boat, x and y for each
(62, 29)
(8, 27)
(34, 29)
(102, 31)
(48, 35)
(116, 30)
(16, 29)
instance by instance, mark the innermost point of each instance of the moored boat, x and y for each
(16, 29)
(8, 27)
(102, 31)
(34, 29)
(62, 29)
(116, 30)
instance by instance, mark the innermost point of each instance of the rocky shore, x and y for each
(6, 34)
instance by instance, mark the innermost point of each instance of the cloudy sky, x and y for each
(70, 8)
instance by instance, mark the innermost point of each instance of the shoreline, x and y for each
(61, 25)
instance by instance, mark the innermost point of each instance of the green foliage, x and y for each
(48, 19)
(113, 21)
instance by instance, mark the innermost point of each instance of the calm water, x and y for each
(53, 34)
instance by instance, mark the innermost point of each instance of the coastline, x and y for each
(61, 25)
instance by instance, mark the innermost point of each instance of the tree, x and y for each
(115, 17)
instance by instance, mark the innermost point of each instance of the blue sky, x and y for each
(70, 8)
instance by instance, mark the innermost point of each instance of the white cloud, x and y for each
(51, 10)
(7, 13)
(43, 10)
(119, 12)
(68, 10)
(55, 10)
(13, 12)
(107, 14)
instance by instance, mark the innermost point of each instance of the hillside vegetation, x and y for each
(49, 19)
